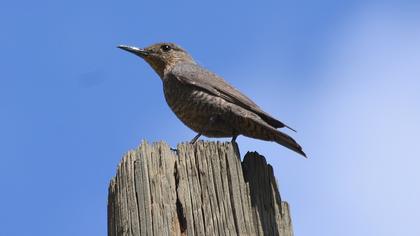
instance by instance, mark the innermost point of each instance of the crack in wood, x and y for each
(202, 189)
(179, 208)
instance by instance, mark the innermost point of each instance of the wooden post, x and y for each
(202, 189)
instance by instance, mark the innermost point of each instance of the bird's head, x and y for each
(160, 56)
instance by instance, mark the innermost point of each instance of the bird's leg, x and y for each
(212, 120)
(195, 138)
(235, 144)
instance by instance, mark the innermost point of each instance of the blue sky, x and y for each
(344, 74)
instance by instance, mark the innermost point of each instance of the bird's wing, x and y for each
(197, 76)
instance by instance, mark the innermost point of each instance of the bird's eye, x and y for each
(165, 48)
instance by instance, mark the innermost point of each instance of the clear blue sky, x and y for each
(345, 74)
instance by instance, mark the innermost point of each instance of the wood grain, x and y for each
(202, 189)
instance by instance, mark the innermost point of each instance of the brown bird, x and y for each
(205, 102)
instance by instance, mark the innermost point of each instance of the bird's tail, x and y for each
(287, 141)
(256, 128)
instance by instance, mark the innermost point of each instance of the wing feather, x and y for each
(197, 76)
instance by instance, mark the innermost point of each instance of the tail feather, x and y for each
(287, 141)
(253, 126)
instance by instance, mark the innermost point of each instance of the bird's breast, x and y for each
(193, 106)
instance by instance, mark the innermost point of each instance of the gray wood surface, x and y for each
(203, 189)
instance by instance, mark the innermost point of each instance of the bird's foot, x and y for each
(174, 150)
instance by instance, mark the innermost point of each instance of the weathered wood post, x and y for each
(203, 189)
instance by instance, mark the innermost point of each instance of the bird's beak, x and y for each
(137, 51)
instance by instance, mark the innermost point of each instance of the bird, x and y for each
(205, 102)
